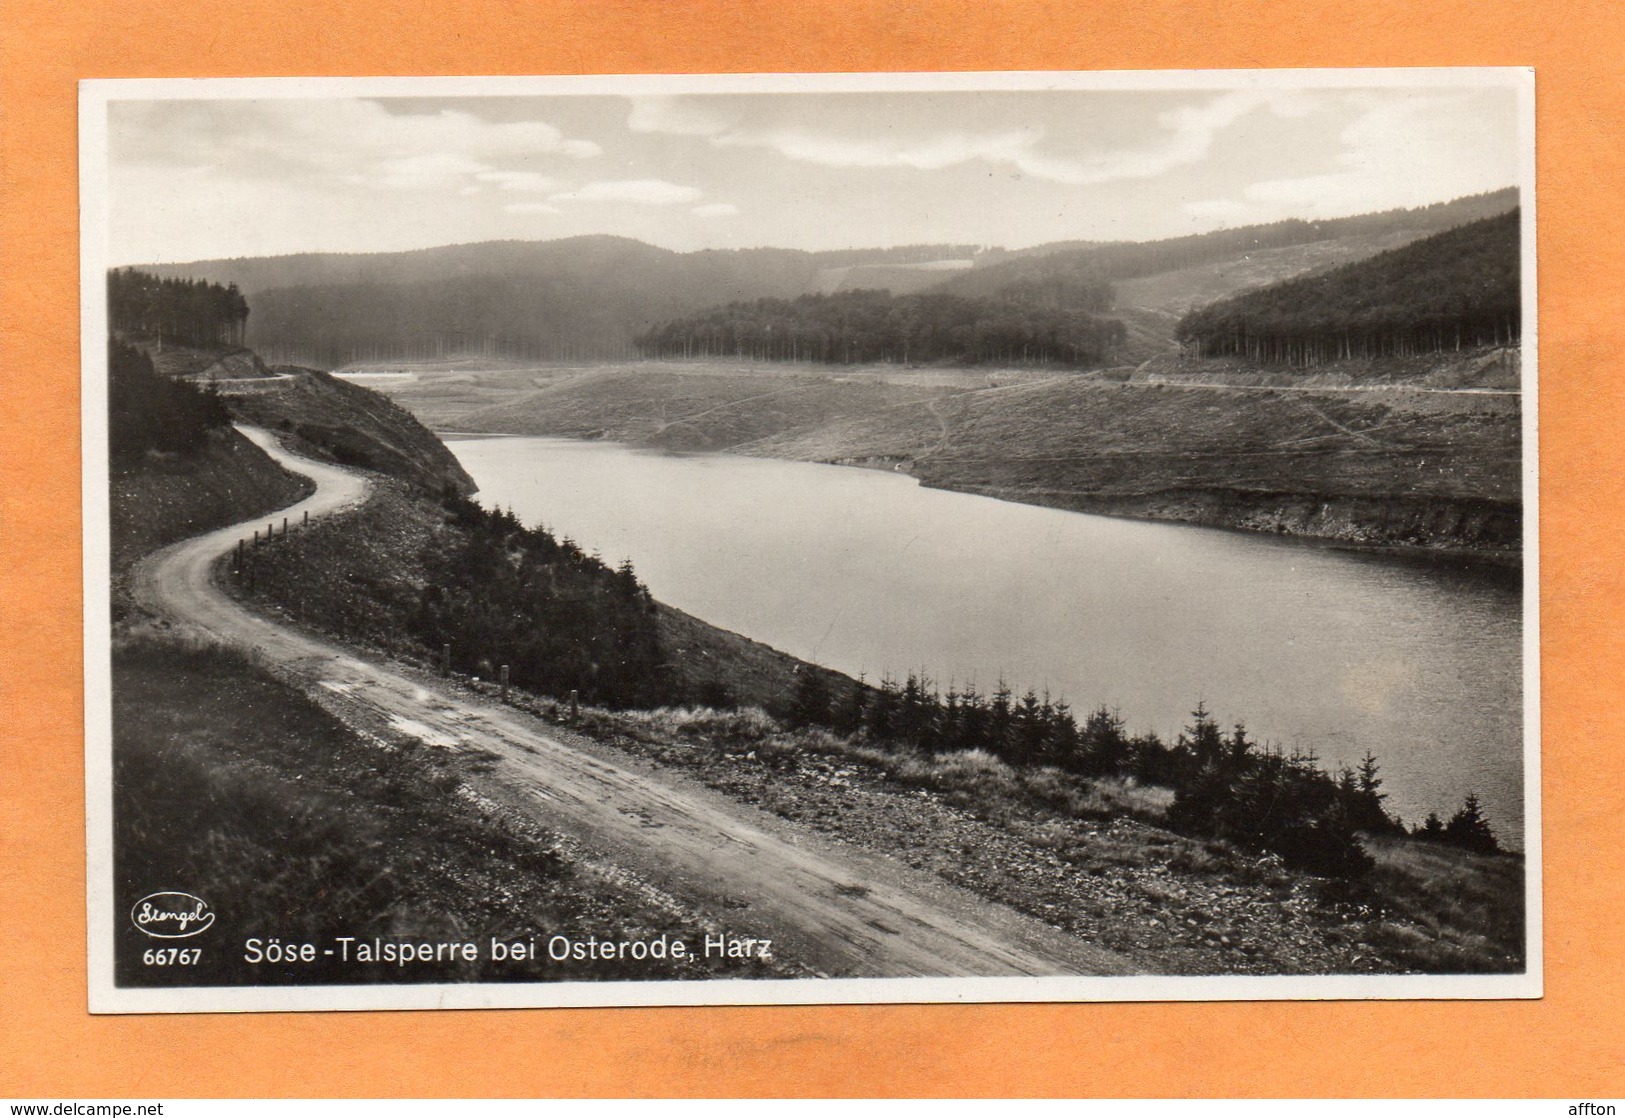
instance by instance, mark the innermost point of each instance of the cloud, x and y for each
(1184, 135)
(1225, 211)
(580, 149)
(532, 181)
(531, 208)
(716, 209)
(674, 117)
(415, 172)
(354, 142)
(643, 192)
(1400, 149)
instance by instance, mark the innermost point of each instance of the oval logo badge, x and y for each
(171, 915)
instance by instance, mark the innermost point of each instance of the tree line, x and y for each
(1457, 289)
(1047, 321)
(1469, 828)
(188, 311)
(562, 620)
(147, 411)
(1225, 784)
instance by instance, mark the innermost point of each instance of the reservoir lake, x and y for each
(1330, 651)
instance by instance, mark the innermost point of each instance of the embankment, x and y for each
(168, 497)
(1367, 457)
(1483, 530)
(344, 423)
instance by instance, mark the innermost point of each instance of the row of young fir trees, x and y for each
(1225, 784)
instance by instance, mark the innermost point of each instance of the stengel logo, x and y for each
(171, 915)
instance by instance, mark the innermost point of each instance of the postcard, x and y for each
(788, 539)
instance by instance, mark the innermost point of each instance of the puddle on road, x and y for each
(425, 734)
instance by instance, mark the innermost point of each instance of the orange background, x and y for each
(1569, 1044)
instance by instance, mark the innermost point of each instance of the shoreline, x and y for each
(1497, 565)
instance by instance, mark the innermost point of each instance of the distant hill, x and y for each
(536, 300)
(1125, 260)
(899, 279)
(1457, 289)
(1158, 281)
(589, 297)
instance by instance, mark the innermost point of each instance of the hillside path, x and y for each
(842, 912)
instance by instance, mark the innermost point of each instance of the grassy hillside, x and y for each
(1121, 261)
(899, 279)
(237, 786)
(176, 466)
(354, 426)
(699, 407)
(1178, 290)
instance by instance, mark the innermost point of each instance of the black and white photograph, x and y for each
(767, 539)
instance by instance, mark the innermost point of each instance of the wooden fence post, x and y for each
(575, 704)
(504, 683)
(445, 659)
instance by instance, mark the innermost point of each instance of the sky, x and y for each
(193, 179)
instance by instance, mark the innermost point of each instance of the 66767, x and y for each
(171, 956)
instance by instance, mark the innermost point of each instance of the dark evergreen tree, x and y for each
(1364, 803)
(811, 706)
(1103, 744)
(1470, 829)
(1205, 741)
(1431, 828)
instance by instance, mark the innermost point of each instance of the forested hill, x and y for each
(577, 297)
(1453, 290)
(589, 297)
(767, 268)
(1023, 324)
(1131, 260)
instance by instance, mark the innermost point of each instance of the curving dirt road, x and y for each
(843, 913)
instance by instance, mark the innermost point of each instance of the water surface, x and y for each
(866, 571)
